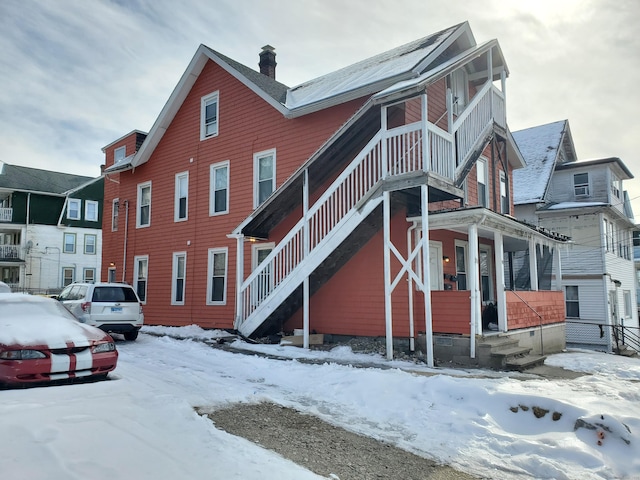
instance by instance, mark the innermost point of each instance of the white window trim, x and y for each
(485, 163)
(504, 194)
(136, 271)
(465, 245)
(115, 214)
(256, 164)
(212, 171)
(87, 204)
(79, 202)
(174, 277)
(212, 252)
(176, 207)
(122, 149)
(95, 244)
(139, 206)
(586, 186)
(203, 104)
(490, 259)
(84, 275)
(64, 243)
(73, 275)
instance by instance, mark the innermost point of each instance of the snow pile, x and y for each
(142, 424)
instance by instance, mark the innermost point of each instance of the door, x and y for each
(435, 266)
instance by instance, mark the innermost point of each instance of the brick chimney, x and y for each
(268, 61)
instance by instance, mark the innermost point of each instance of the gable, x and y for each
(542, 147)
(14, 177)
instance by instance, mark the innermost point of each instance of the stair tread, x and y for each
(506, 352)
(527, 360)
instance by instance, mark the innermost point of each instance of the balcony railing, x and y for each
(9, 252)
(6, 214)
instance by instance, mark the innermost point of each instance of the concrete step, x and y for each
(510, 352)
(525, 362)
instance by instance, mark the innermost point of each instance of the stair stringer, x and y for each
(295, 278)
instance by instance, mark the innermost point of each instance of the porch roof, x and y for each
(516, 233)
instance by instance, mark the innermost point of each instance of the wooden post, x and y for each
(239, 279)
(533, 264)
(501, 296)
(474, 272)
(426, 273)
(386, 213)
(305, 253)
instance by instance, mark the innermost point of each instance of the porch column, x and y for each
(305, 253)
(383, 153)
(424, 116)
(501, 297)
(557, 267)
(239, 279)
(386, 214)
(533, 264)
(474, 272)
(426, 273)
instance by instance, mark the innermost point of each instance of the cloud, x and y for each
(76, 75)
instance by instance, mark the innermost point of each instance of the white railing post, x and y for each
(305, 254)
(426, 153)
(384, 141)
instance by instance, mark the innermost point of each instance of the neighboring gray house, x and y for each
(50, 228)
(584, 200)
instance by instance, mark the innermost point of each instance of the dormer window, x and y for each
(119, 154)
(581, 184)
(616, 186)
(209, 116)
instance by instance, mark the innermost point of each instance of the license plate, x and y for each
(116, 309)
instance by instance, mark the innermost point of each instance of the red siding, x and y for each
(247, 125)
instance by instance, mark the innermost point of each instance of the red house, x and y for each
(334, 205)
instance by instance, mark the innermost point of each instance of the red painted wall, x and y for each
(247, 125)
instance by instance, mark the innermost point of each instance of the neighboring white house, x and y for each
(50, 228)
(584, 200)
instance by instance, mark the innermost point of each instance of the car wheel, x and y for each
(131, 336)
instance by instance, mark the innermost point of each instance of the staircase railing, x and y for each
(626, 336)
(486, 106)
(398, 151)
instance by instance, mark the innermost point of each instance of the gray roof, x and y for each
(15, 177)
(540, 147)
(275, 89)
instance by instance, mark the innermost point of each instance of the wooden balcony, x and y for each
(10, 253)
(6, 214)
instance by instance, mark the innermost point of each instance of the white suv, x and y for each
(112, 307)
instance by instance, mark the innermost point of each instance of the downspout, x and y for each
(126, 239)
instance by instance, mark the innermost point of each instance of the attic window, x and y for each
(581, 184)
(119, 154)
(209, 116)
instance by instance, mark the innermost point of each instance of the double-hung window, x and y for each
(504, 197)
(209, 116)
(182, 197)
(483, 191)
(119, 154)
(461, 266)
(90, 244)
(91, 211)
(89, 275)
(219, 189)
(68, 276)
(69, 243)
(140, 275)
(115, 211)
(179, 278)
(73, 209)
(581, 184)
(143, 212)
(264, 165)
(572, 301)
(217, 284)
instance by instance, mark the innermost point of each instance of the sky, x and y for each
(142, 423)
(75, 75)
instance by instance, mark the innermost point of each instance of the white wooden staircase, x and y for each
(405, 152)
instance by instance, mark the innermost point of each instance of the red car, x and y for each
(41, 342)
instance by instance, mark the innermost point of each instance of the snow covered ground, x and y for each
(142, 423)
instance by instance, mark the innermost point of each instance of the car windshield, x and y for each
(114, 294)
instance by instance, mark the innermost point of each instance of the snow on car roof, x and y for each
(32, 320)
